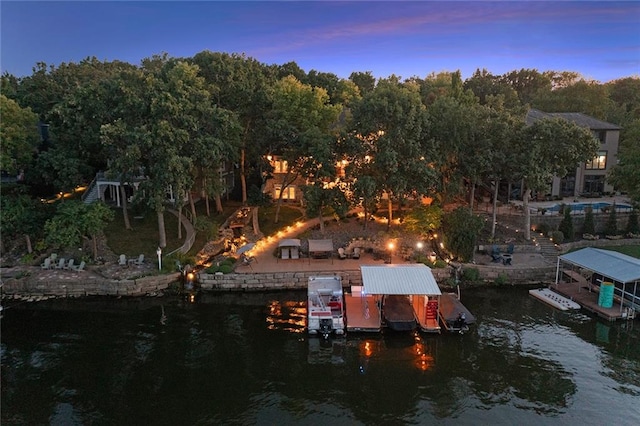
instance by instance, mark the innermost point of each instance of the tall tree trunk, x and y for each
(494, 213)
(125, 208)
(206, 203)
(390, 209)
(162, 232)
(180, 221)
(321, 221)
(219, 208)
(527, 214)
(243, 179)
(193, 208)
(94, 244)
(366, 216)
(27, 239)
(472, 195)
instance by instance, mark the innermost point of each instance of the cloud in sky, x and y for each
(598, 39)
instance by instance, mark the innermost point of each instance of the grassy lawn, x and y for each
(143, 239)
(633, 251)
(288, 216)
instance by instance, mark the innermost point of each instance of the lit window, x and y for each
(288, 194)
(280, 166)
(598, 163)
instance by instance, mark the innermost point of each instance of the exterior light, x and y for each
(159, 253)
(419, 245)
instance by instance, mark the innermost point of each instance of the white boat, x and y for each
(325, 306)
(554, 299)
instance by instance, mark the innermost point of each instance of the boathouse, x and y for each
(602, 281)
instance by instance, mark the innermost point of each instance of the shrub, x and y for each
(566, 226)
(611, 227)
(589, 226)
(557, 237)
(461, 229)
(632, 224)
(501, 279)
(470, 275)
(225, 268)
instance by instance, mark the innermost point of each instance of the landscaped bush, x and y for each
(501, 279)
(611, 227)
(632, 224)
(566, 225)
(470, 275)
(589, 226)
(557, 237)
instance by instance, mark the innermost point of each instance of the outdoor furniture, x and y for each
(46, 264)
(61, 263)
(289, 248)
(69, 264)
(356, 253)
(53, 257)
(122, 260)
(80, 267)
(496, 256)
(295, 252)
(320, 249)
(247, 260)
(341, 254)
(137, 261)
(508, 256)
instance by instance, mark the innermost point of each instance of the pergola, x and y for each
(622, 270)
(320, 248)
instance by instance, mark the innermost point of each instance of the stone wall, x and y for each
(553, 221)
(88, 287)
(298, 280)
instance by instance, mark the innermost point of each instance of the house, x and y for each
(106, 187)
(292, 189)
(590, 178)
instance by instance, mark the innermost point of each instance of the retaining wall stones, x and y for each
(88, 287)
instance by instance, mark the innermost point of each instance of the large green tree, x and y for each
(19, 136)
(548, 148)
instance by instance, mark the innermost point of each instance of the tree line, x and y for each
(177, 119)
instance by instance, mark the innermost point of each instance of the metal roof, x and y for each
(611, 264)
(399, 279)
(320, 246)
(578, 118)
(291, 242)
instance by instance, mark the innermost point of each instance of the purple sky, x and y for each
(600, 40)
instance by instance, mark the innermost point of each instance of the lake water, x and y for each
(237, 359)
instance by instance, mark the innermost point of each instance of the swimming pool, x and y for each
(580, 207)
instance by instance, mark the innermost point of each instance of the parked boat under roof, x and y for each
(406, 294)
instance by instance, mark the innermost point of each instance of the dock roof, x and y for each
(399, 279)
(618, 266)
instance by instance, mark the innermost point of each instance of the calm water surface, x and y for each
(246, 359)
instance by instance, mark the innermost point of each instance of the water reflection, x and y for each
(246, 359)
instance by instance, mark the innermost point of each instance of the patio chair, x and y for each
(137, 261)
(295, 253)
(341, 254)
(53, 257)
(61, 263)
(508, 256)
(356, 253)
(46, 264)
(247, 260)
(69, 264)
(496, 256)
(122, 261)
(80, 267)
(284, 253)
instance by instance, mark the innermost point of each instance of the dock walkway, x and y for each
(587, 297)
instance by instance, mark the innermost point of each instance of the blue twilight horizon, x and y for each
(598, 39)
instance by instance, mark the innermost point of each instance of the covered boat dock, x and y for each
(413, 282)
(581, 274)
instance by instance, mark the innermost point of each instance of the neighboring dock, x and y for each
(587, 297)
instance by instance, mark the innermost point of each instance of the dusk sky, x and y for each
(598, 39)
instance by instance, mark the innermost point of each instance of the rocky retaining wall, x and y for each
(88, 287)
(298, 280)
